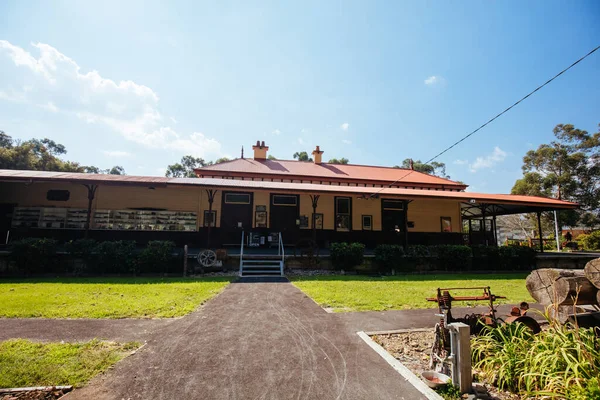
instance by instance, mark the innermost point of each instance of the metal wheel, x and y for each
(207, 258)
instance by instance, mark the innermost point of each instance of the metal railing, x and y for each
(281, 252)
(242, 253)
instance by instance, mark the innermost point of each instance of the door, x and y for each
(392, 215)
(6, 211)
(285, 212)
(236, 211)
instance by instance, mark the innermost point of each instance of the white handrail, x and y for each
(241, 253)
(282, 252)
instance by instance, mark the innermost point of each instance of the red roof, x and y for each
(326, 171)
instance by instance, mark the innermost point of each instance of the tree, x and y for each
(433, 168)
(5, 140)
(567, 168)
(116, 170)
(338, 161)
(221, 160)
(271, 157)
(185, 168)
(302, 156)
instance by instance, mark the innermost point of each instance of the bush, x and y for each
(562, 361)
(156, 257)
(346, 255)
(389, 257)
(33, 255)
(116, 257)
(453, 257)
(85, 250)
(589, 241)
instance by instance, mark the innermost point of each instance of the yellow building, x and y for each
(301, 200)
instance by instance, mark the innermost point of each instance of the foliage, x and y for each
(433, 168)
(156, 257)
(346, 255)
(418, 250)
(453, 257)
(559, 361)
(105, 297)
(389, 257)
(84, 250)
(185, 168)
(338, 161)
(41, 155)
(589, 241)
(24, 363)
(567, 168)
(449, 391)
(302, 156)
(33, 255)
(368, 293)
(116, 257)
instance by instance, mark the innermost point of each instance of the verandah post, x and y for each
(539, 221)
(91, 194)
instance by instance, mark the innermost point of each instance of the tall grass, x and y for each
(560, 362)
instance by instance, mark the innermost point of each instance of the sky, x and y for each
(143, 83)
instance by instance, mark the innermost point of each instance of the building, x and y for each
(302, 200)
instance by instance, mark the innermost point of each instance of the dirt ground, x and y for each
(413, 348)
(35, 394)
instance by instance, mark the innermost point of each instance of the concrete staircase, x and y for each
(262, 264)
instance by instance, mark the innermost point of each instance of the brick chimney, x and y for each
(317, 153)
(260, 150)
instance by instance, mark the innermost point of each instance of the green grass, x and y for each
(364, 293)
(106, 297)
(24, 363)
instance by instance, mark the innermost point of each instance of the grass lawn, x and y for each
(364, 293)
(106, 297)
(24, 363)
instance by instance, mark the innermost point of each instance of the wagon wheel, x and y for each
(308, 252)
(207, 258)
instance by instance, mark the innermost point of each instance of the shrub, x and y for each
(561, 361)
(418, 251)
(388, 257)
(85, 250)
(589, 241)
(346, 255)
(33, 255)
(116, 257)
(454, 257)
(156, 257)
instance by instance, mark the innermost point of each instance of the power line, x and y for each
(493, 119)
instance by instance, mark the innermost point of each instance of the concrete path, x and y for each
(253, 341)
(71, 330)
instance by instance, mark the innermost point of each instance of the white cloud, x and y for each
(497, 156)
(116, 153)
(300, 141)
(130, 109)
(276, 132)
(346, 141)
(345, 126)
(49, 106)
(460, 162)
(173, 120)
(434, 80)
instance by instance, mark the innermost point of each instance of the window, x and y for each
(367, 222)
(343, 213)
(446, 224)
(392, 204)
(237, 198)
(284, 200)
(210, 218)
(58, 195)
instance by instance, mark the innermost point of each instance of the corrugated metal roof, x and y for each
(18, 175)
(325, 171)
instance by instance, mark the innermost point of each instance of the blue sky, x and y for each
(141, 84)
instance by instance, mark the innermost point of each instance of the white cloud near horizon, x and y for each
(116, 153)
(434, 80)
(276, 132)
(460, 162)
(300, 141)
(345, 141)
(345, 126)
(56, 82)
(496, 156)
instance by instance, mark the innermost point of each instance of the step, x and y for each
(244, 261)
(259, 271)
(261, 266)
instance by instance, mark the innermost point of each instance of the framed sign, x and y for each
(261, 219)
(304, 221)
(318, 221)
(446, 223)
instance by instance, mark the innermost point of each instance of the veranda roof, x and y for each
(472, 204)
